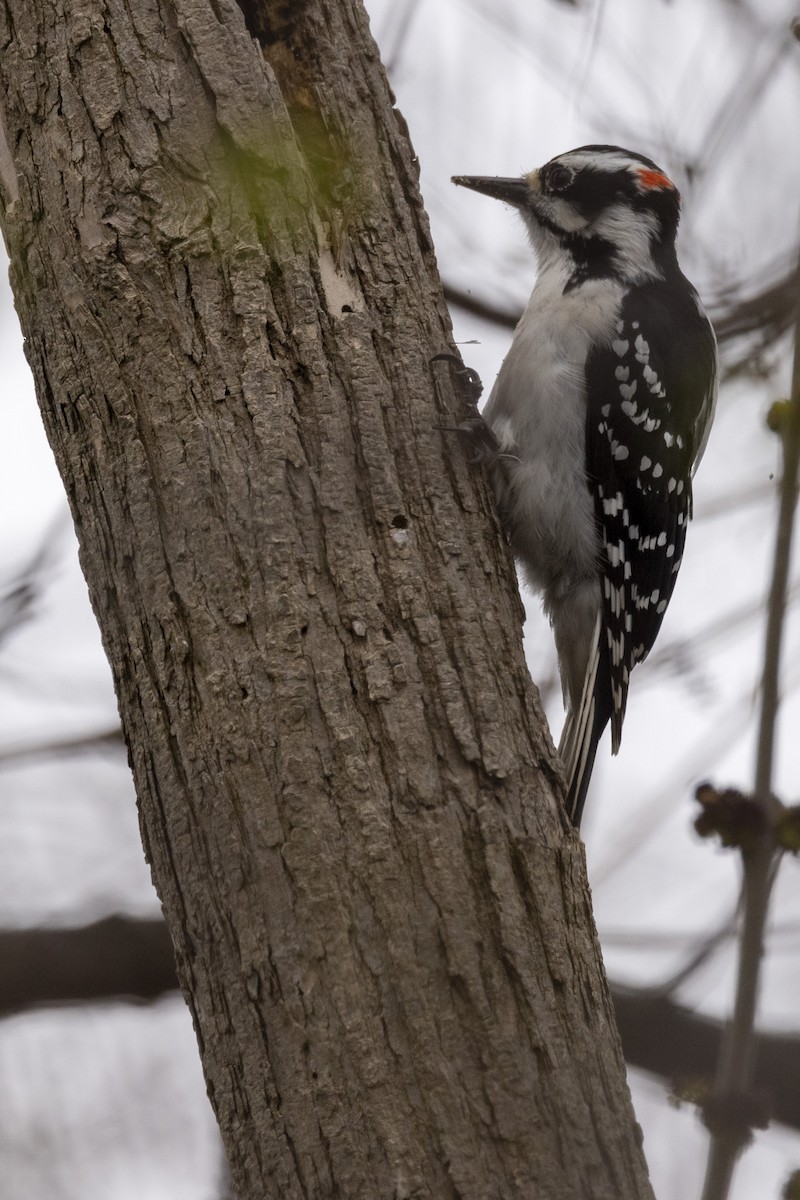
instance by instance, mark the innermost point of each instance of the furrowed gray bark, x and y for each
(226, 281)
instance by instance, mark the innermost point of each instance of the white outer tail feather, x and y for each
(575, 745)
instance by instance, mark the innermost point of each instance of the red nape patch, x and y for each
(654, 179)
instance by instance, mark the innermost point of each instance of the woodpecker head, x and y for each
(613, 211)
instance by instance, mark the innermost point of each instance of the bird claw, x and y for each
(480, 436)
(465, 379)
(473, 428)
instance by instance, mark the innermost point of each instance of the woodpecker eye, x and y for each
(558, 177)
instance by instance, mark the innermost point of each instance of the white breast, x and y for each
(537, 410)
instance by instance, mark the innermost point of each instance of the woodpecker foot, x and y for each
(473, 429)
(467, 382)
(479, 437)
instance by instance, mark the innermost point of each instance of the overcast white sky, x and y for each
(711, 90)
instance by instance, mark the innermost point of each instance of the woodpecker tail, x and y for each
(584, 727)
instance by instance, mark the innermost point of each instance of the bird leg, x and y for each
(477, 434)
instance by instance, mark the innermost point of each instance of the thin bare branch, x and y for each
(89, 743)
(18, 599)
(759, 857)
(700, 956)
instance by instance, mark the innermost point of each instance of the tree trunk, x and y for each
(349, 802)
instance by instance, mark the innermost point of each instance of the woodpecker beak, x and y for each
(511, 191)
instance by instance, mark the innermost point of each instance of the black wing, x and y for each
(650, 399)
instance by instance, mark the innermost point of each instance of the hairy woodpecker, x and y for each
(599, 416)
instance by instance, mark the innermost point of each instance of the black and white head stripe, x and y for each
(650, 395)
(593, 177)
(612, 206)
(612, 162)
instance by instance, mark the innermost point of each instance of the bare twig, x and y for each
(674, 654)
(759, 855)
(85, 743)
(18, 599)
(709, 945)
(681, 1046)
(401, 18)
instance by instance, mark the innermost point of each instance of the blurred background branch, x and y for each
(760, 849)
